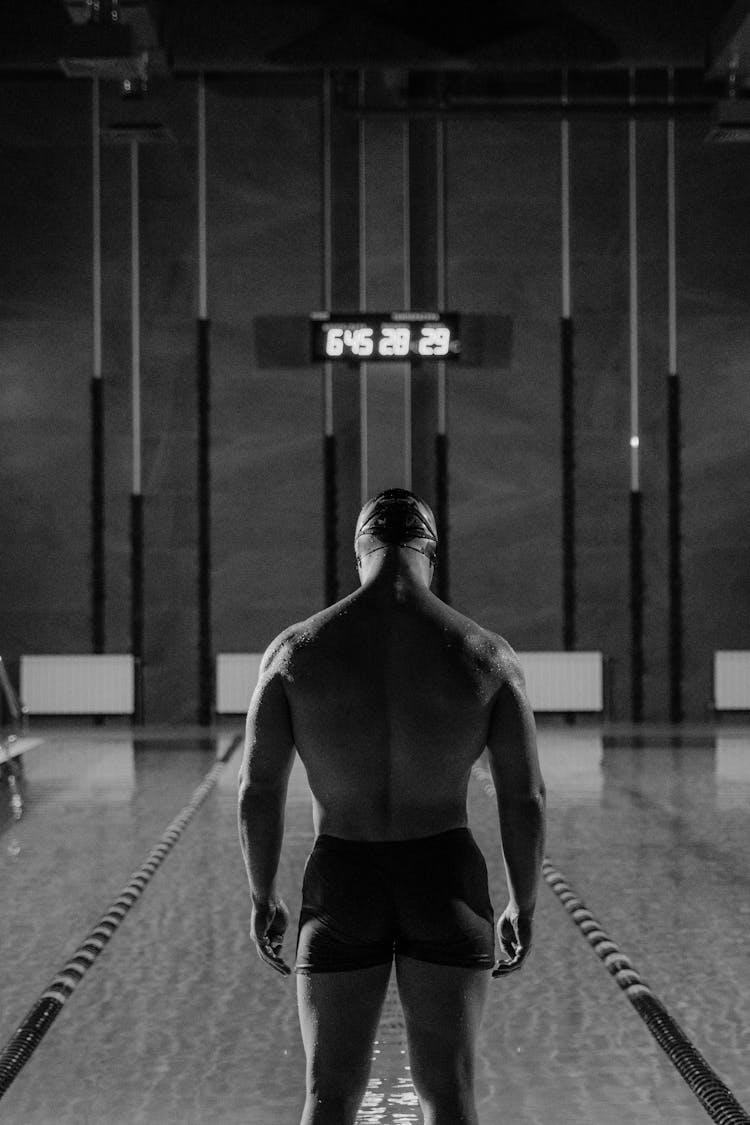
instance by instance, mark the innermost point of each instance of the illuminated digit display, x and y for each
(395, 341)
(434, 340)
(384, 337)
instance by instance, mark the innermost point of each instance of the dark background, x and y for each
(264, 68)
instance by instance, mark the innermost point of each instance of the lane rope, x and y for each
(34, 1027)
(713, 1094)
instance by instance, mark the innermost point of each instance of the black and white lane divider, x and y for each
(715, 1097)
(40, 1018)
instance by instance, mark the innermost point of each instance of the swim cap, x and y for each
(398, 517)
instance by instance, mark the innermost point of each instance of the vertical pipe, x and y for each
(442, 575)
(675, 542)
(636, 504)
(136, 499)
(363, 424)
(674, 442)
(205, 645)
(135, 321)
(202, 208)
(636, 605)
(96, 226)
(672, 243)
(565, 207)
(567, 394)
(362, 156)
(440, 250)
(633, 307)
(330, 499)
(136, 585)
(407, 300)
(327, 234)
(568, 483)
(98, 585)
(205, 653)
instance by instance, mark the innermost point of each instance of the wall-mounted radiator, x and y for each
(732, 681)
(78, 685)
(564, 681)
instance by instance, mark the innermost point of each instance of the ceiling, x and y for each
(241, 35)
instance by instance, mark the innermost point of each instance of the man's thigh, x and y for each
(443, 1007)
(338, 1014)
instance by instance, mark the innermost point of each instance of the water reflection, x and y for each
(178, 1023)
(571, 761)
(732, 772)
(389, 1099)
(81, 771)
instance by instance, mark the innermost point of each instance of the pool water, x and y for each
(178, 1021)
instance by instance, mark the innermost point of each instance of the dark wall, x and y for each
(46, 331)
(264, 242)
(265, 259)
(715, 363)
(503, 256)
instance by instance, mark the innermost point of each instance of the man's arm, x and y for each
(514, 764)
(264, 776)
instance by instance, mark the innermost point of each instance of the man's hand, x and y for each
(514, 935)
(268, 923)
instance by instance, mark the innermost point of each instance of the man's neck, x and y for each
(397, 573)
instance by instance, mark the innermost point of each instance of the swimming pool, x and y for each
(178, 1020)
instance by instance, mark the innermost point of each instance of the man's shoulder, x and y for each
(491, 650)
(282, 649)
(293, 641)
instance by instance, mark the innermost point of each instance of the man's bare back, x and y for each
(390, 693)
(389, 697)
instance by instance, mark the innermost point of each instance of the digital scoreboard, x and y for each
(389, 337)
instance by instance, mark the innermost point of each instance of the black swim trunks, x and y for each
(363, 901)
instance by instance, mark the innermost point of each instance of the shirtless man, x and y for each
(389, 697)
